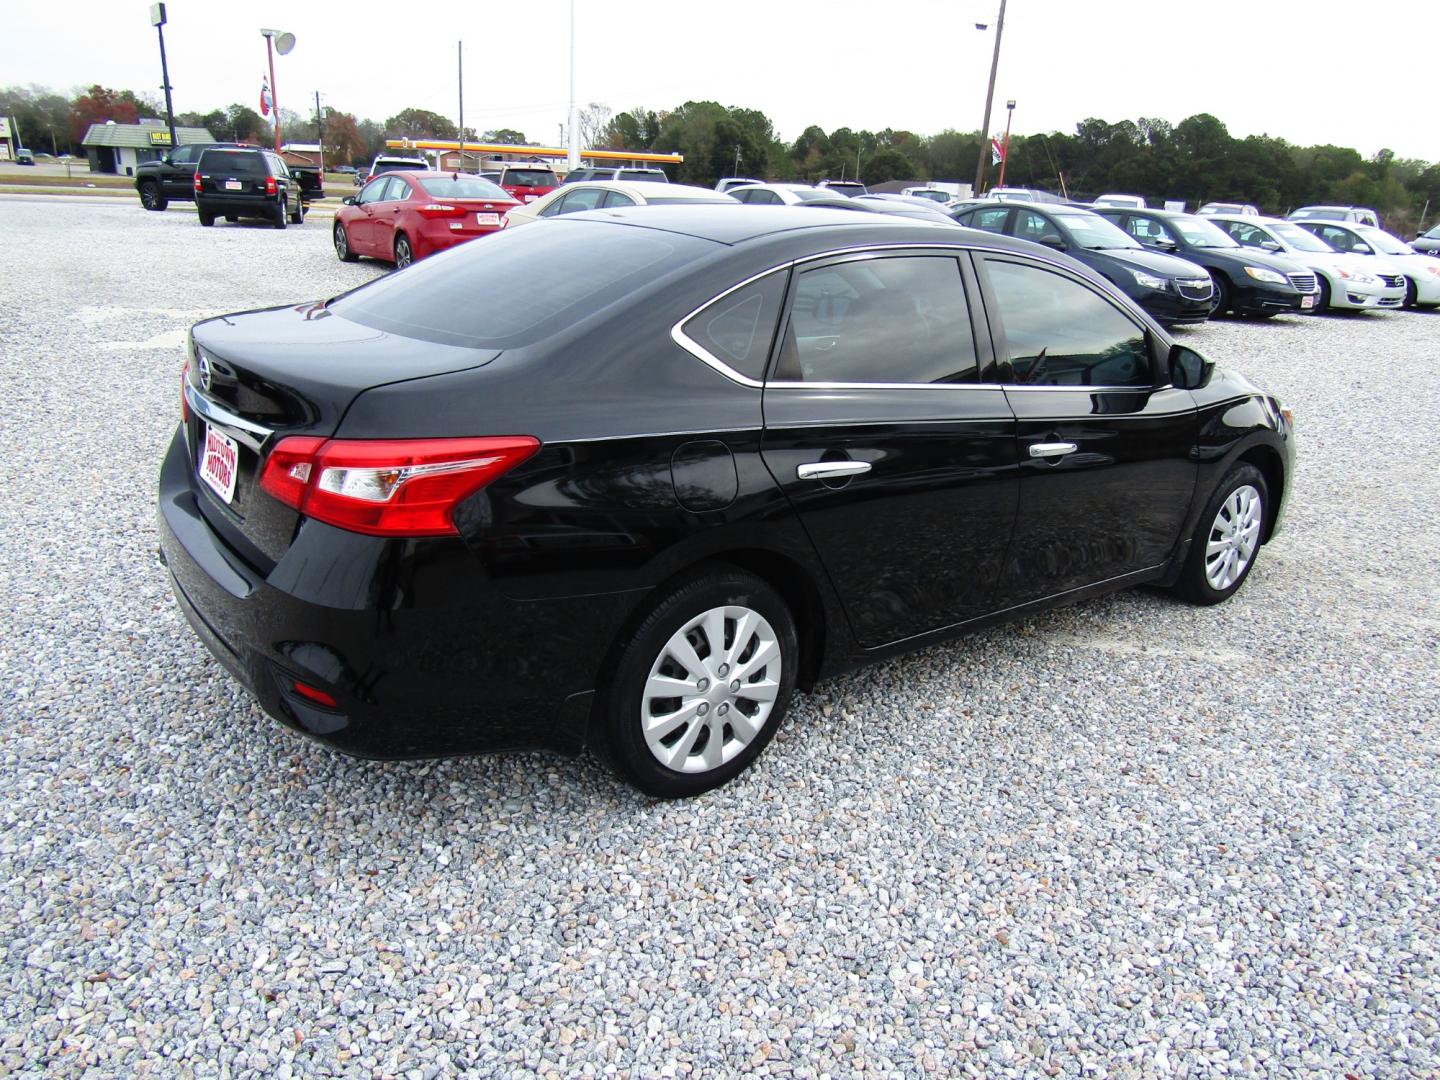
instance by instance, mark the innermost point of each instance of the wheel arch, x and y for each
(1267, 459)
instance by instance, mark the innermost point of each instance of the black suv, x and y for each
(248, 182)
(172, 177)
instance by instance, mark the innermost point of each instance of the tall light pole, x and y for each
(157, 20)
(989, 100)
(281, 42)
(1005, 150)
(572, 156)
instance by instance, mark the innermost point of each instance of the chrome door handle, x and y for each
(1052, 449)
(824, 470)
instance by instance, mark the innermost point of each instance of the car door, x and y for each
(898, 457)
(177, 179)
(387, 216)
(361, 229)
(1107, 475)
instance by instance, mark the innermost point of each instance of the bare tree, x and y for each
(594, 119)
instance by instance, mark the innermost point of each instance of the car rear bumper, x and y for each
(237, 204)
(418, 665)
(438, 236)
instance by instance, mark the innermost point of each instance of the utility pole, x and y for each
(572, 157)
(320, 131)
(989, 100)
(460, 60)
(157, 20)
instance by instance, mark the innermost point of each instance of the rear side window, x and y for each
(892, 320)
(737, 329)
(523, 286)
(1060, 333)
(233, 162)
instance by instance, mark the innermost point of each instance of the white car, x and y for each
(1247, 209)
(606, 195)
(1362, 214)
(1346, 281)
(786, 195)
(1121, 202)
(1422, 273)
(735, 181)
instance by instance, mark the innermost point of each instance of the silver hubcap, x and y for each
(402, 254)
(1233, 538)
(711, 689)
(340, 245)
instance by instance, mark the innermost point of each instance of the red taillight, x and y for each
(388, 487)
(270, 188)
(198, 185)
(440, 210)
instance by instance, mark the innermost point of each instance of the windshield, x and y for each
(1201, 234)
(1298, 238)
(813, 194)
(489, 299)
(1094, 232)
(1433, 234)
(529, 178)
(1381, 240)
(462, 187)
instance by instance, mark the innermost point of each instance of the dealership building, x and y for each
(118, 148)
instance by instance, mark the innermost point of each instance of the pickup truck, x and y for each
(172, 177)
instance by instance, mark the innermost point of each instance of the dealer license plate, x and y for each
(218, 463)
(1306, 302)
(233, 185)
(487, 219)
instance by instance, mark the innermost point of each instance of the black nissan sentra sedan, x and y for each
(716, 455)
(1170, 289)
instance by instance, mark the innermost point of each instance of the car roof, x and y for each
(654, 191)
(734, 225)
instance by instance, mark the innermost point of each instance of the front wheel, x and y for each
(1227, 540)
(151, 197)
(1220, 298)
(404, 254)
(1411, 293)
(342, 245)
(701, 685)
(1322, 302)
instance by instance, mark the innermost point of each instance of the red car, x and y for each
(403, 216)
(528, 181)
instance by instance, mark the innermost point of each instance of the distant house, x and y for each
(118, 148)
(8, 142)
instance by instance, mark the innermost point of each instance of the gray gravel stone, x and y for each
(1129, 838)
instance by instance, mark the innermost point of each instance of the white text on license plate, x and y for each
(1307, 302)
(218, 461)
(233, 185)
(487, 219)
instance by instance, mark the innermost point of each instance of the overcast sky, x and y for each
(1311, 71)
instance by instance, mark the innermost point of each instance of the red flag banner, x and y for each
(264, 97)
(997, 152)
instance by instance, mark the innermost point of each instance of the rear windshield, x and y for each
(234, 162)
(529, 178)
(490, 295)
(396, 166)
(643, 174)
(463, 187)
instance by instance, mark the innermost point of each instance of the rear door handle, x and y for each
(824, 470)
(1052, 449)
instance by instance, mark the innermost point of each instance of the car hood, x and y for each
(1154, 262)
(1243, 256)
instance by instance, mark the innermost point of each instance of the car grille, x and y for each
(1393, 281)
(1195, 289)
(1304, 283)
(1390, 301)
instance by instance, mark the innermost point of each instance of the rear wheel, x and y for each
(342, 245)
(151, 197)
(1220, 298)
(701, 685)
(404, 254)
(206, 218)
(1227, 540)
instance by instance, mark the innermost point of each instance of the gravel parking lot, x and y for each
(1127, 838)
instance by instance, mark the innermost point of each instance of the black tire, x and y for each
(1411, 293)
(151, 197)
(1220, 302)
(277, 215)
(648, 648)
(342, 245)
(1196, 584)
(298, 217)
(1322, 302)
(206, 218)
(404, 253)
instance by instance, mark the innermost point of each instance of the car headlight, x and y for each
(1148, 281)
(1259, 273)
(1359, 277)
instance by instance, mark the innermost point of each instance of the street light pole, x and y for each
(989, 100)
(157, 20)
(284, 44)
(1005, 151)
(572, 156)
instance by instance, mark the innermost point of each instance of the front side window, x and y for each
(182, 155)
(737, 329)
(374, 191)
(1032, 226)
(890, 320)
(1339, 239)
(1148, 231)
(989, 220)
(1059, 333)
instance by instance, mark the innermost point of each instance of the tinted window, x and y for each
(529, 178)
(1060, 333)
(1339, 239)
(900, 320)
(738, 329)
(233, 162)
(1148, 230)
(1032, 226)
(182, 155)
(648, 175)
(582, 199)
(989, 220)
(489, 298)
(617, 198)
(462, 187)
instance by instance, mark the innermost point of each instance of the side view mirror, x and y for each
(1361, 249)
(1161, 242)
(349, 200)
(1188, 369)
(1053, 241)
(1269, 245)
